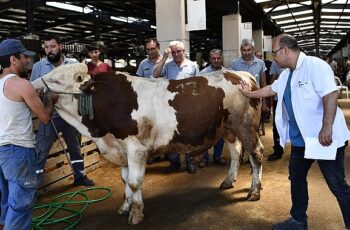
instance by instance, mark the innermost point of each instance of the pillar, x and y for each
(170, 17)
(231, 37)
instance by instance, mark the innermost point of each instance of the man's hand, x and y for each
(53, 97)
(166, 53)
(245, 88)
(325, 136)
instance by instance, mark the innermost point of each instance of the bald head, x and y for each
(287, 40)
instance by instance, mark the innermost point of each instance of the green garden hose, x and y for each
(73, 203)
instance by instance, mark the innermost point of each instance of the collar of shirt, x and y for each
(301, 59)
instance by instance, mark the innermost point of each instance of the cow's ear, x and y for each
(88, 87)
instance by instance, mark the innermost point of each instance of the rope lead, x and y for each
(85, 105)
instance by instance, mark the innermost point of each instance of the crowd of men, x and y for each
(299, 96)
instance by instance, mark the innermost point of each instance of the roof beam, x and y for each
(316, 9)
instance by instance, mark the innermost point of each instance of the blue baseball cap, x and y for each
(13, 46)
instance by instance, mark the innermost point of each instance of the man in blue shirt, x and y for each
(46, 133)
(178, 68)
(146, 66)
(216, 63)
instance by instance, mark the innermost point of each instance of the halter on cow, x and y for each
(135, 118)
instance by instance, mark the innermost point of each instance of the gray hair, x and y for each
(216, 51)
(247, 42)
(178, 44)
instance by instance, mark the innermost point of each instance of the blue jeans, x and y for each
(18, 184)
(217, 150)
(46, 136)
(332, 171)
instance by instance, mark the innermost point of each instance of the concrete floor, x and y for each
(184, 201)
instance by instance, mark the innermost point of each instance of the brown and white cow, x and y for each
(135, 118)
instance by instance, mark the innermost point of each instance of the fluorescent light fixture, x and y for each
(260, 1)
(71, 7)
(153, 27)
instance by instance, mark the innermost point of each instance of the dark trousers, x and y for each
(45, 138)
(277, 148)
(332, 171)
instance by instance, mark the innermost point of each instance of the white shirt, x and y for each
(312, 79)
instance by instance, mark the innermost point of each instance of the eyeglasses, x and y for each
(274, 53)
(176, 51)
(151, 49)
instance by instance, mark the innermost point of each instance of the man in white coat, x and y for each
(307, 108)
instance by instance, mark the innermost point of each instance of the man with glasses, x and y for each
(178, 68)
(146, 66)
(307, 108)
(216, 59)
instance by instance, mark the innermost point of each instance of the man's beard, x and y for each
(54, 58)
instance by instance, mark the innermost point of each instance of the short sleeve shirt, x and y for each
(172, 71)
(256, 68)
(145, 69)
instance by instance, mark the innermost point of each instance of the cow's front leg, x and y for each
(125, 207)
(256, 161)
(235, 149)
(137, 166)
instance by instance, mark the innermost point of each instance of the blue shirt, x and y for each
(256, 68)
(146, 68)
(209, 69)
(43, 67)
(276, 70)
(172, 71)
(294, 132)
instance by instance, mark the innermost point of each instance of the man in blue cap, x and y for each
(18, 99)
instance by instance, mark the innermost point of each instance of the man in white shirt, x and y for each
(307, 107)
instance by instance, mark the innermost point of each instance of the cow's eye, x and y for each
(79, 78)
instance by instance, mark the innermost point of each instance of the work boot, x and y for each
(174, 166)
(84, 180)
(290, 224)
(274, 156)
(190, 167)
(219, 161)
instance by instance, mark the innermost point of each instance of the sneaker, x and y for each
(274, 156)
(190, 167)
(152, 160)
(174, 166)
(85, 181)
(290, 224)
(219, 161)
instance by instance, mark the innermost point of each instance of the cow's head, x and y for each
(64, 79)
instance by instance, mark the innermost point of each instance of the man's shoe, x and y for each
(85, 181)
(203, 164)
(274, 156)
(219, 161)
(290, 224)
(190, 167)
(152, 160)
(174, 166)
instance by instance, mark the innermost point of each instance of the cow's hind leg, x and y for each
(235, 149)
(256, 162)
(125, 207)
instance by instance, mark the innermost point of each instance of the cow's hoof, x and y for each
(225, 186)
(122, 211)
(135, 217)
(253, 196)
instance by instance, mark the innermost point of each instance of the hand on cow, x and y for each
(40, 93)
(245, 88)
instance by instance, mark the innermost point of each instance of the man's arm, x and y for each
(33, 101)
(329, 111)
(263, 92)
(159, 66)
